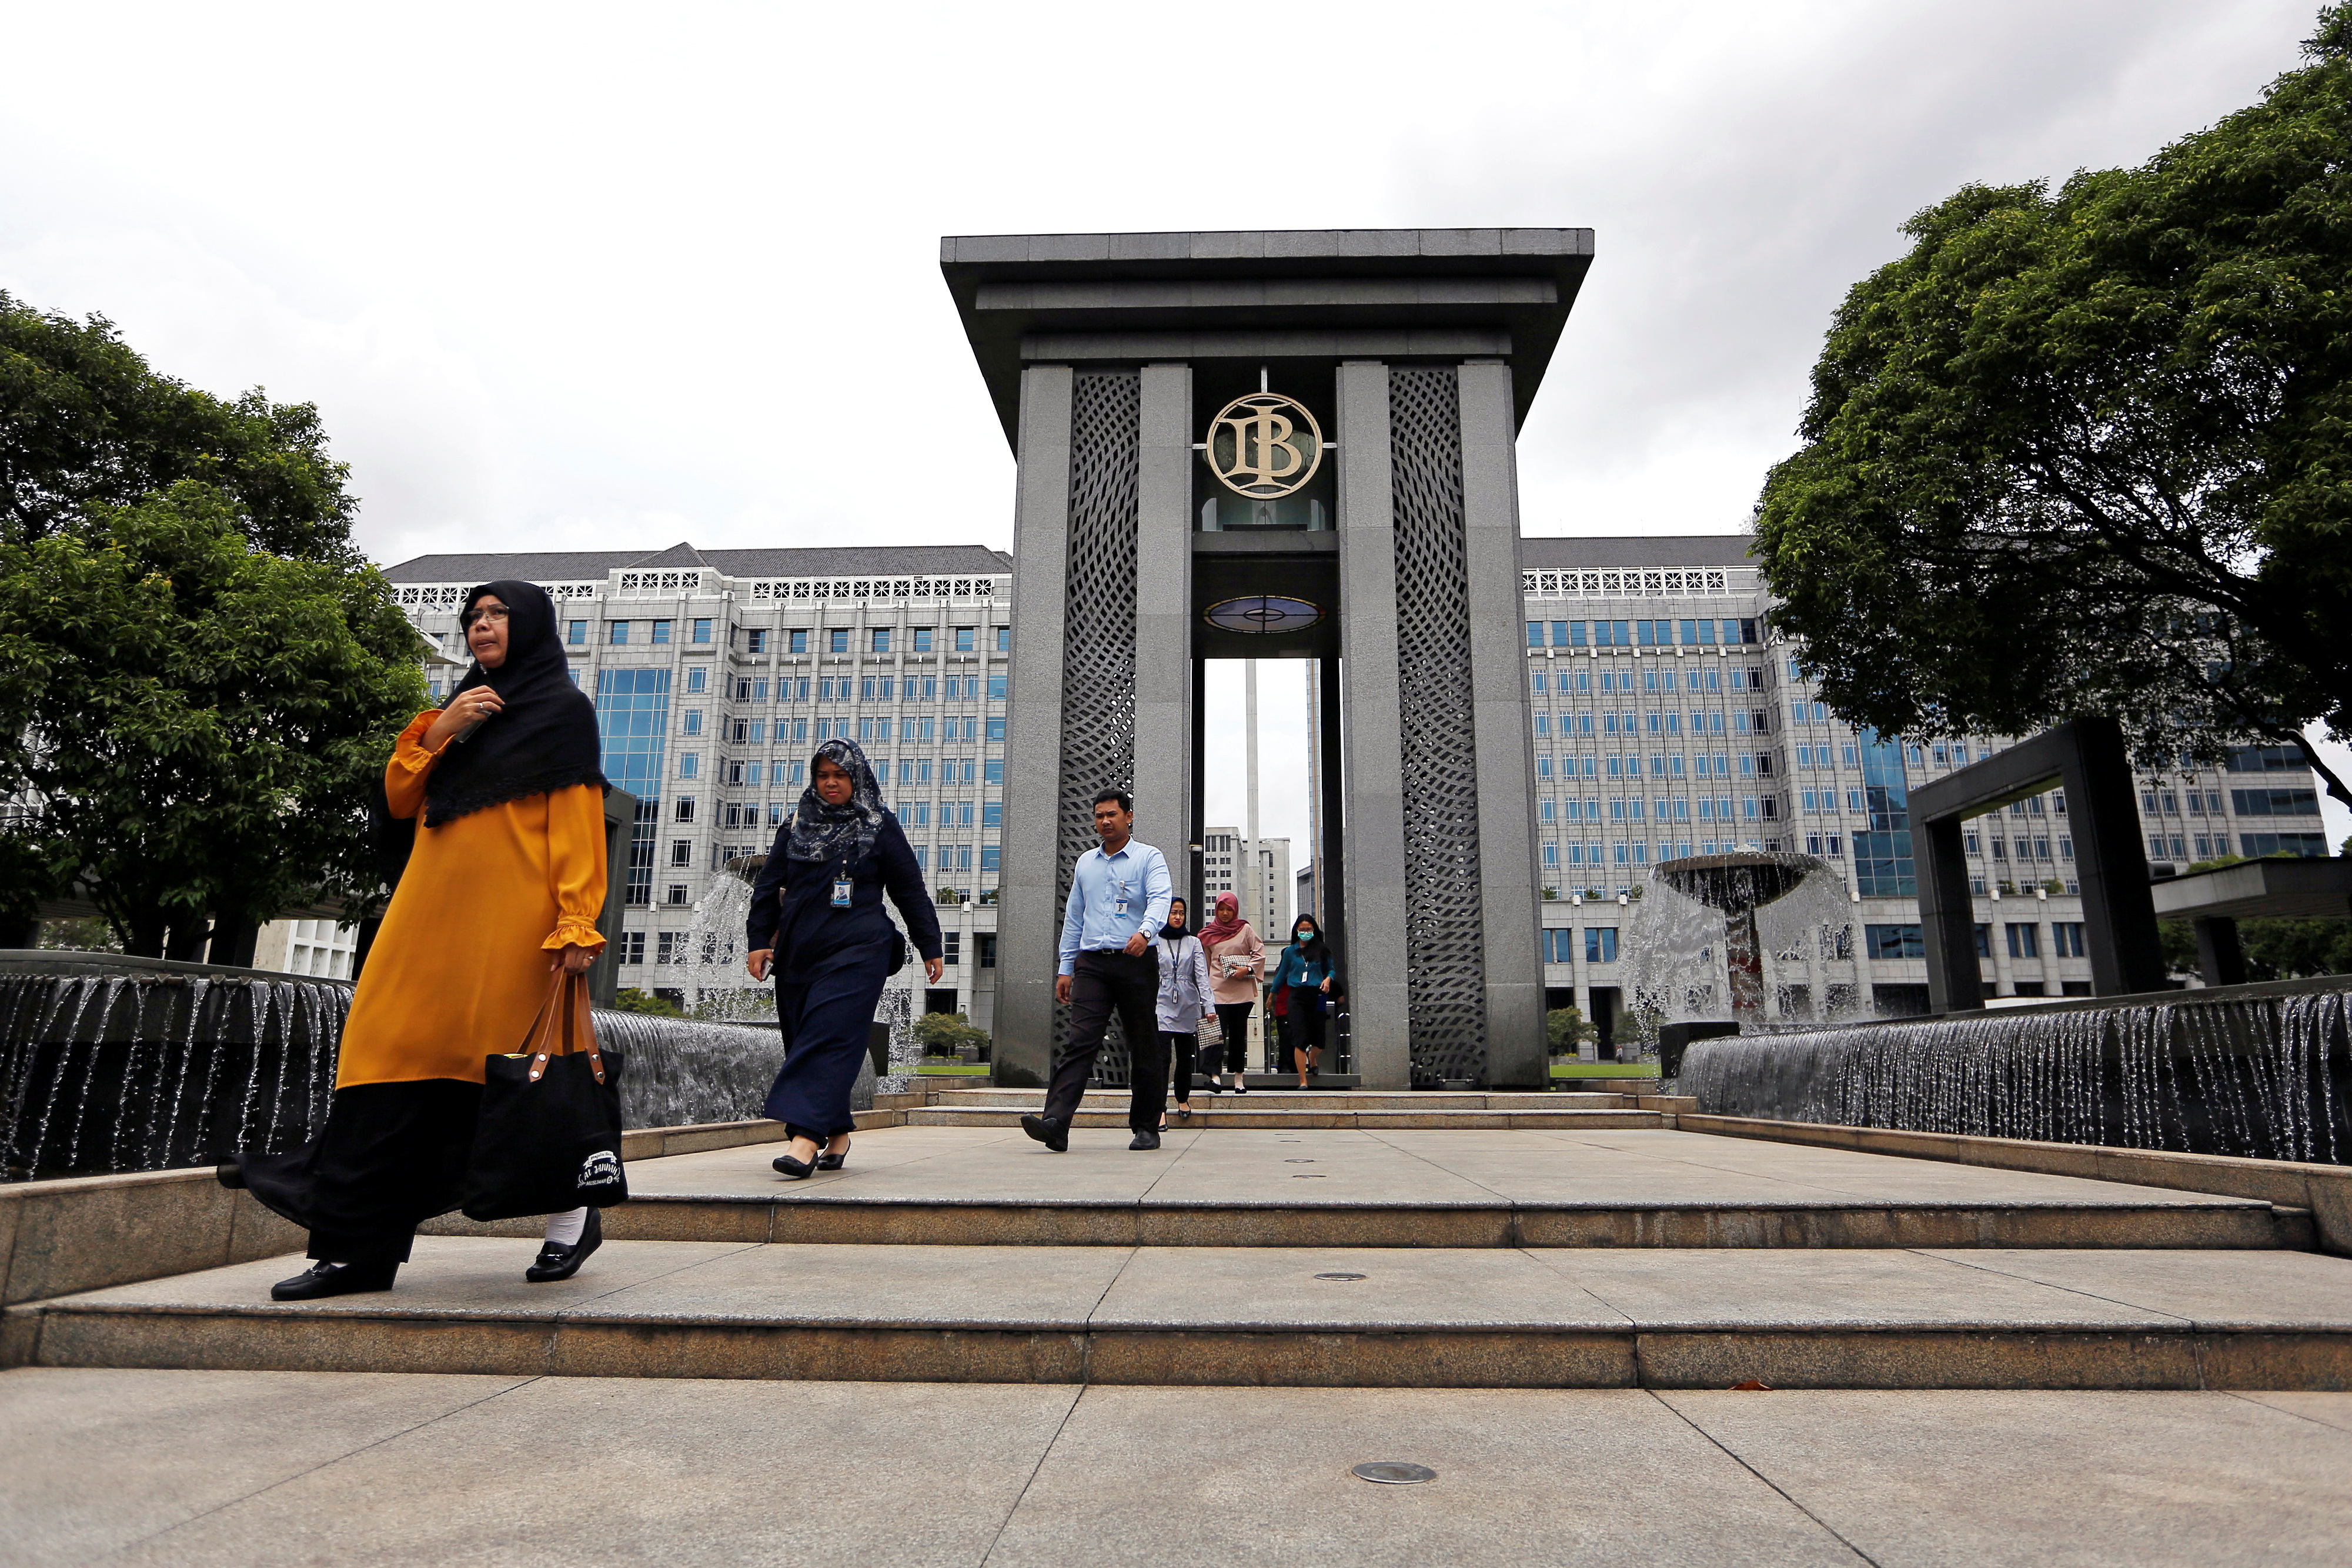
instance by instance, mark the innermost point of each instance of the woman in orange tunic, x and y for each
(502, 885)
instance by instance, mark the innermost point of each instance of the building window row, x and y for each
(1707, 633)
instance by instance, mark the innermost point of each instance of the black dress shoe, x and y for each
(833, 1162)
(230, 1175)
(795, 1170)
(1145, 1141)
(1048, 1132)
(556, 1262)
(323, 1279)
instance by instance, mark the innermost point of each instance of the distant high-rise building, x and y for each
(715, 673)
(1670, 720)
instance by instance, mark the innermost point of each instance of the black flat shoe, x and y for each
(833, 1162)
(1145, 1141)
(230, 1175)
(1048, 1132)
(796, 1170)
(1215, 1087)
(556, 1262)
(1183, 1113)
(323, 1279)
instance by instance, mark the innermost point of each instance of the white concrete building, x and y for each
(714, 673)
(1669, 721)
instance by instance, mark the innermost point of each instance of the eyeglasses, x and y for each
(487, 612)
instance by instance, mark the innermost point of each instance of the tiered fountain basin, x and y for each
(110, 1063)
(2262, 1071)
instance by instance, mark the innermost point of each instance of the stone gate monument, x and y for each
(1285, 444)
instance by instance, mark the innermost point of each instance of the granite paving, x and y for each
(240, 1470)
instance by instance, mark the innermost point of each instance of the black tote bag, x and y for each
(550, 1135)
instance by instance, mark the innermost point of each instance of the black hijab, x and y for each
(1176, 930)
(843, 833)
(543, 739)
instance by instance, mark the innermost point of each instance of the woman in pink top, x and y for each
(1236, 963)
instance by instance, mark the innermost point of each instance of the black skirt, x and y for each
(391, 1156)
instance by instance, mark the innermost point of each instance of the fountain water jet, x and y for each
(1738, 884)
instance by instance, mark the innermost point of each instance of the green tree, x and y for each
(1566, 1029)
(85, 422)
(195, 724)
(2274, 949)
(943, 1034)
(2085, 452)
(630, 999)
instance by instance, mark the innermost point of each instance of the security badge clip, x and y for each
(841, 888)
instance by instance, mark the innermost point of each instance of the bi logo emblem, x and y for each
(1263, 445)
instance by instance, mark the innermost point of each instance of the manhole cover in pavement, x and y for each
(1338, 1276)
(1393, 1472)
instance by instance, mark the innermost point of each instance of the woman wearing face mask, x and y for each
(818, 923)
(1235, 957)
(503, 792)
(1184, 997)
(1305, 971)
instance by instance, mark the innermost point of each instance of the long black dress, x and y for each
(830, 966)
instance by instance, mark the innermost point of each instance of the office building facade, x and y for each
(715, 673)
(1669, 720)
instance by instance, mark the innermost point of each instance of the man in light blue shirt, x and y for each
(1118, 901)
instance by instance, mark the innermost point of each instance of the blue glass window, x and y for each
(1883, 867)
(632, 717)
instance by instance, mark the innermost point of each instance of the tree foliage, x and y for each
(1566, 1029)
(631, 999)
(199, 675)
(943, 1034)
(195, 724)
(85, 422)
(2274, 949)
(2086, 452)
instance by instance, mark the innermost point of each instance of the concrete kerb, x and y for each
(2326, 1191)
(84, 1233)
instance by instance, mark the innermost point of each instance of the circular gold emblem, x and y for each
(1263, 445)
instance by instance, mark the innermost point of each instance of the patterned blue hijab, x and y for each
(843, 833)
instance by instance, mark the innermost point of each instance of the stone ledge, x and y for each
(1399, 1357)
(84, 1233)
(2326, 1191)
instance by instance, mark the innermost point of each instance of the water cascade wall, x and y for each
(108, 1064)
(2262, 1071)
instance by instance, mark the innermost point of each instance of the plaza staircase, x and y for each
(1333, 1240)
(1277, 1103)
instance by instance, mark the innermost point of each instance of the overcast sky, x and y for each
(611, 278)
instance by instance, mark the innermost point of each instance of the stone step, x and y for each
(962, 1184)
(1284, 1096)
(1299, 1316)
(1283, 1115)
(852, 1219)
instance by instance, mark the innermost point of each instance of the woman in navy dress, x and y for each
(817, 922)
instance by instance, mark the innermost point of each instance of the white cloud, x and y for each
(599, 275)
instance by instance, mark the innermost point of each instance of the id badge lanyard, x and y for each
(841, 886)
(1119, 904)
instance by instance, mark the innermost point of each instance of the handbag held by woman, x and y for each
(549, 1135)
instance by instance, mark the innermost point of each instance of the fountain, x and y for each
(2262, 1071)
(717, 988)
(110, 1063)
(1752, 939)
